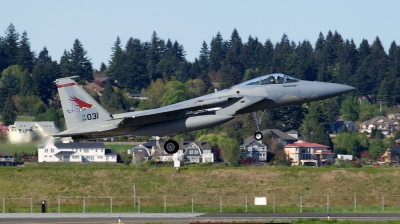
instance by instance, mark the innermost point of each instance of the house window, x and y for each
(66, 157)
(101, 150)
(86, 150)
(100, 157)
(51, 150)
(112, 157)
(306, 153)
(46, 150)
(96, 150)
(75, 157)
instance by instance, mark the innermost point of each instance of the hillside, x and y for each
(116, 180)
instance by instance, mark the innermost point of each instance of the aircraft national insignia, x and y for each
(81, 104)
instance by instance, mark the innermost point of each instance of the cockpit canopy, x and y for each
(276, 78)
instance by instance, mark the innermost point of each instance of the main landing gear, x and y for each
(257, 117)
(171, 146)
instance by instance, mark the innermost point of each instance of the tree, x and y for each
(321, 136)
(10, 46)
(43, 76)
(230, 151)
(80, 64)
(350, 109)
(217, 52)
(154, 92)
(349, 143)
(25, 56)
(9, 112)
(175, 92)
(65, 64)
(377, 148)
(106, 95)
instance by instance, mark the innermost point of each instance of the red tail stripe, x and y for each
(66, 85)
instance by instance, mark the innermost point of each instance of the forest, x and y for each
(158, 69)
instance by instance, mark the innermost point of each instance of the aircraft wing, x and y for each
(184, 107)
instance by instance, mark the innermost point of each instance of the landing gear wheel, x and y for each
(171, 146)
(258, 136)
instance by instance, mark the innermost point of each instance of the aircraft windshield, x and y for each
(270, 79)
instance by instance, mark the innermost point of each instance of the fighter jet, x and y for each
(87, 119)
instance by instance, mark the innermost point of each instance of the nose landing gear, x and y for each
(257, 117)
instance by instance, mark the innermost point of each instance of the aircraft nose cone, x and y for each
(334, 89)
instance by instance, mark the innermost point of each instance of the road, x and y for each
(181, 218)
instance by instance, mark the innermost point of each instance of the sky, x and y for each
(97, 23)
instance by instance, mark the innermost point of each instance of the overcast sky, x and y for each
(97, 23)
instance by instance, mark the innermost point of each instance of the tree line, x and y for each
(159, 69)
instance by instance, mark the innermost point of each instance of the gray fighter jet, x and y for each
(87, 119)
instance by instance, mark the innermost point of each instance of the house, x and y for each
(295, 134)
(307, 153)
(193, 152)
(382, 123)
(277, 134)
(391, 156)
(26, 131)
(338, 126)
(394, 116)
(254, 149)
(96, 87)
(76, 152)
(6, 159)
(198, 152)
(137, 96)
(41, 127)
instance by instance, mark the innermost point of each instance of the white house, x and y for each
(26, 131)
(76, 152)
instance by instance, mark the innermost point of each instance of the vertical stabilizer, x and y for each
(79, 108)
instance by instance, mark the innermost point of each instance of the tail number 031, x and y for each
(88, 117)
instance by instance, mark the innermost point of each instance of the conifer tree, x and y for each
(9, 112)
(80, 64)
(217, 52)
(10, 45)
(25, 56)
(65, 64)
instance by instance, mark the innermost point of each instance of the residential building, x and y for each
(137, 96)
(394, 116)
(279, 135)
(338, 126)
(295, 134)
(382, 123)
(254, 149)
(6, 159)
(391, 156)
(45, 127)
(76, 152)
(303, 153)
(198, 152)
(26, 131)
(193, 152)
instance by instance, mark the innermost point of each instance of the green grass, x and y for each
(204, 184)
(10, 148)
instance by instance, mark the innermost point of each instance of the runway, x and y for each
(181, 218)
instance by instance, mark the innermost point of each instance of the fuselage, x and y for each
(220, 107)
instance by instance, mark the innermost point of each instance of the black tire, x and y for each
(171, 146)
(258, 136)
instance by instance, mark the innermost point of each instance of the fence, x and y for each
(207, 204)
